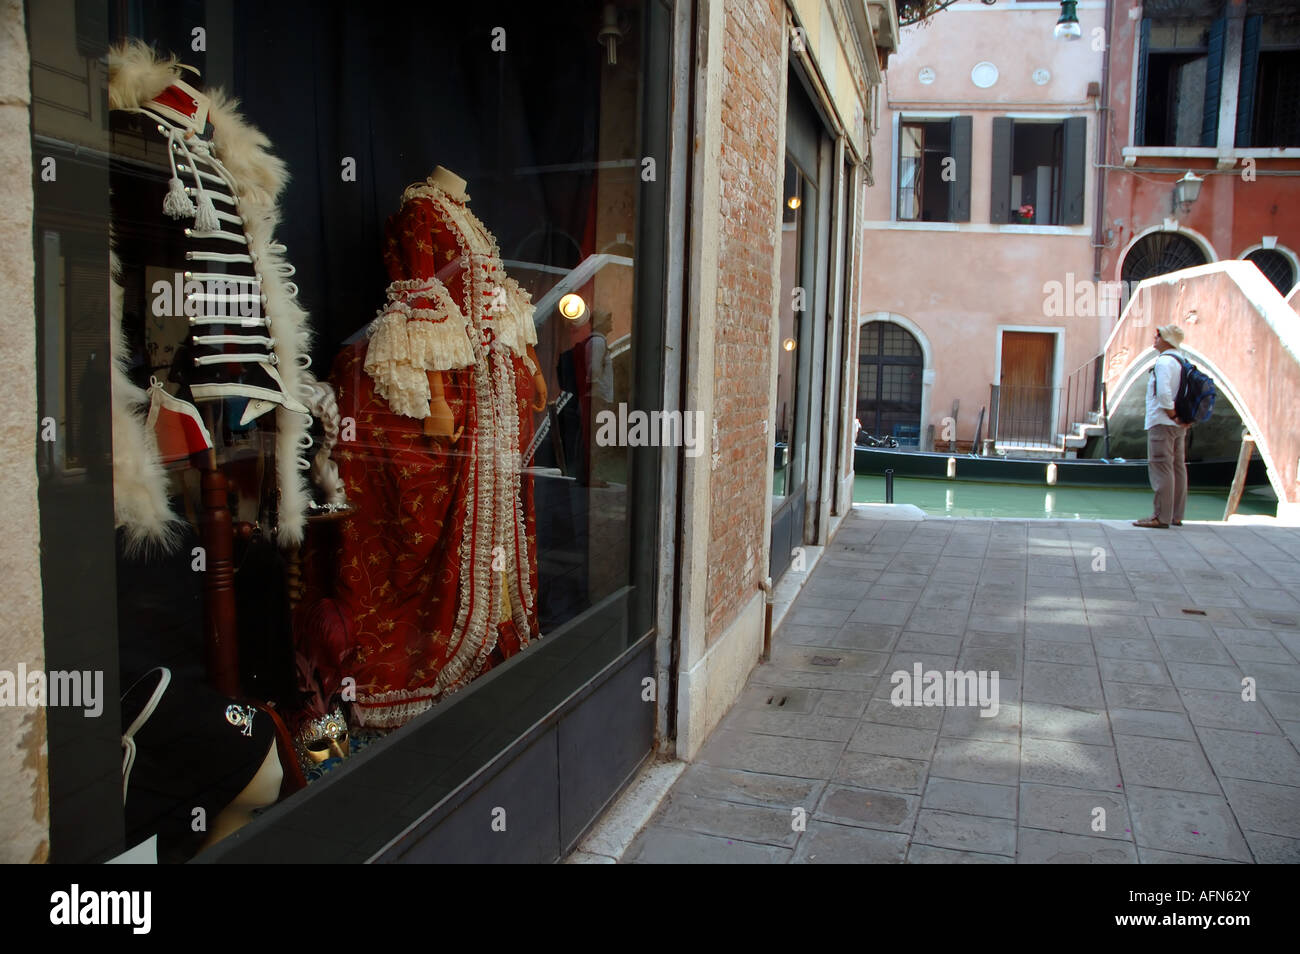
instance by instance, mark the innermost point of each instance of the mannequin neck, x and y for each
(450, 183)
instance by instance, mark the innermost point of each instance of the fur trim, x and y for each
(137, 74)
(140, 504)
(246, 152)
(292, 335)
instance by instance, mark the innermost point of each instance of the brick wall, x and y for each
(751, 173)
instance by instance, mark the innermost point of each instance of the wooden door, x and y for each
(1025, 399)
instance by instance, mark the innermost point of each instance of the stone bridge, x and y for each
(1242, 333)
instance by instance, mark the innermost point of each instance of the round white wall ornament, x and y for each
(984, 75)
(926, 75)
(1042, 77)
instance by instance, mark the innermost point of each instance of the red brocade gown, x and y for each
(437, 572)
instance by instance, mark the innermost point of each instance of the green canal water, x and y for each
(970, 498)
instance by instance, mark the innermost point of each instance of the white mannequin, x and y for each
(450, 183)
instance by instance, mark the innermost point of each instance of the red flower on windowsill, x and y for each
(1025, 214)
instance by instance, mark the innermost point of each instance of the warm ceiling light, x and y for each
(610, 33)
(572, 306)
(788, 344)
(1067, 27)
(793, 202)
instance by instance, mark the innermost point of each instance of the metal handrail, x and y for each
(1042, 417)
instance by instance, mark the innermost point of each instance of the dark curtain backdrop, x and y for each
(401, 89)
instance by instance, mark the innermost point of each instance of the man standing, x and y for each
(1166, 435)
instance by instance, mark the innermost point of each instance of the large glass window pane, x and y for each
(910, 152)
(794, 301)
(392, 364)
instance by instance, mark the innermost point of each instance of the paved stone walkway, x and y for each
(1112, 696)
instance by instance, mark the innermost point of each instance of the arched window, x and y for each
(890, 364)
(1277, 268)
(1158, 254)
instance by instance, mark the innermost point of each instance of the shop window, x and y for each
(380, 420)
(1038, 171)
(934, 170)
(794, 306)
(1277, 268)
(1268, 97)
(805, 284)
(1180, 75)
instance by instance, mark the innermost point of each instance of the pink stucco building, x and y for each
(988, 260)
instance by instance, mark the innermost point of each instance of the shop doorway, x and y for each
(804, 260)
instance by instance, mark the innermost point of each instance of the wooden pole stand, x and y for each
(1239, 476)
(221, 631)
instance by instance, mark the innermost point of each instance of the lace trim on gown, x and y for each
(420, 330)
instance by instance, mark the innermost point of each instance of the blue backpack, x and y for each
(1194, 402)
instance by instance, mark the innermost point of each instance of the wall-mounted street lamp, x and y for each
(1186, 191)
(1067, 27)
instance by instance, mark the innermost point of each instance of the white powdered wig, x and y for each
(136, 75)
(324, 407)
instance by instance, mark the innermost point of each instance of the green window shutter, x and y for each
(1246, 86)
(1140, 90)
(1074, 173)
(959, 189)
(1213, 83)
(1000, 174)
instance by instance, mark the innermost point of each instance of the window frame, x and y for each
(1253, 48)
(961, 126)
(1073, 165)
(1282, 250)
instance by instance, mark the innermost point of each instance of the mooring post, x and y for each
(1239, 477)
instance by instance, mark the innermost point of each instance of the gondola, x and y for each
(1070, 472)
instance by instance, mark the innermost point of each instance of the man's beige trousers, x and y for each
(1167, 468)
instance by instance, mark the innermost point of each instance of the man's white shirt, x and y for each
(1163, 387)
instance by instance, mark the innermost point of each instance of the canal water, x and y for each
(971, 498)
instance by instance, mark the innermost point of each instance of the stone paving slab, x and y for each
(964, 832)
(1148, 712)
(826, 843)
(662, 846)
(1072, 811)
(929, 855)
(865, 808)
(1039, 847)
(756, 824)
(753, 788)
(979, 798)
